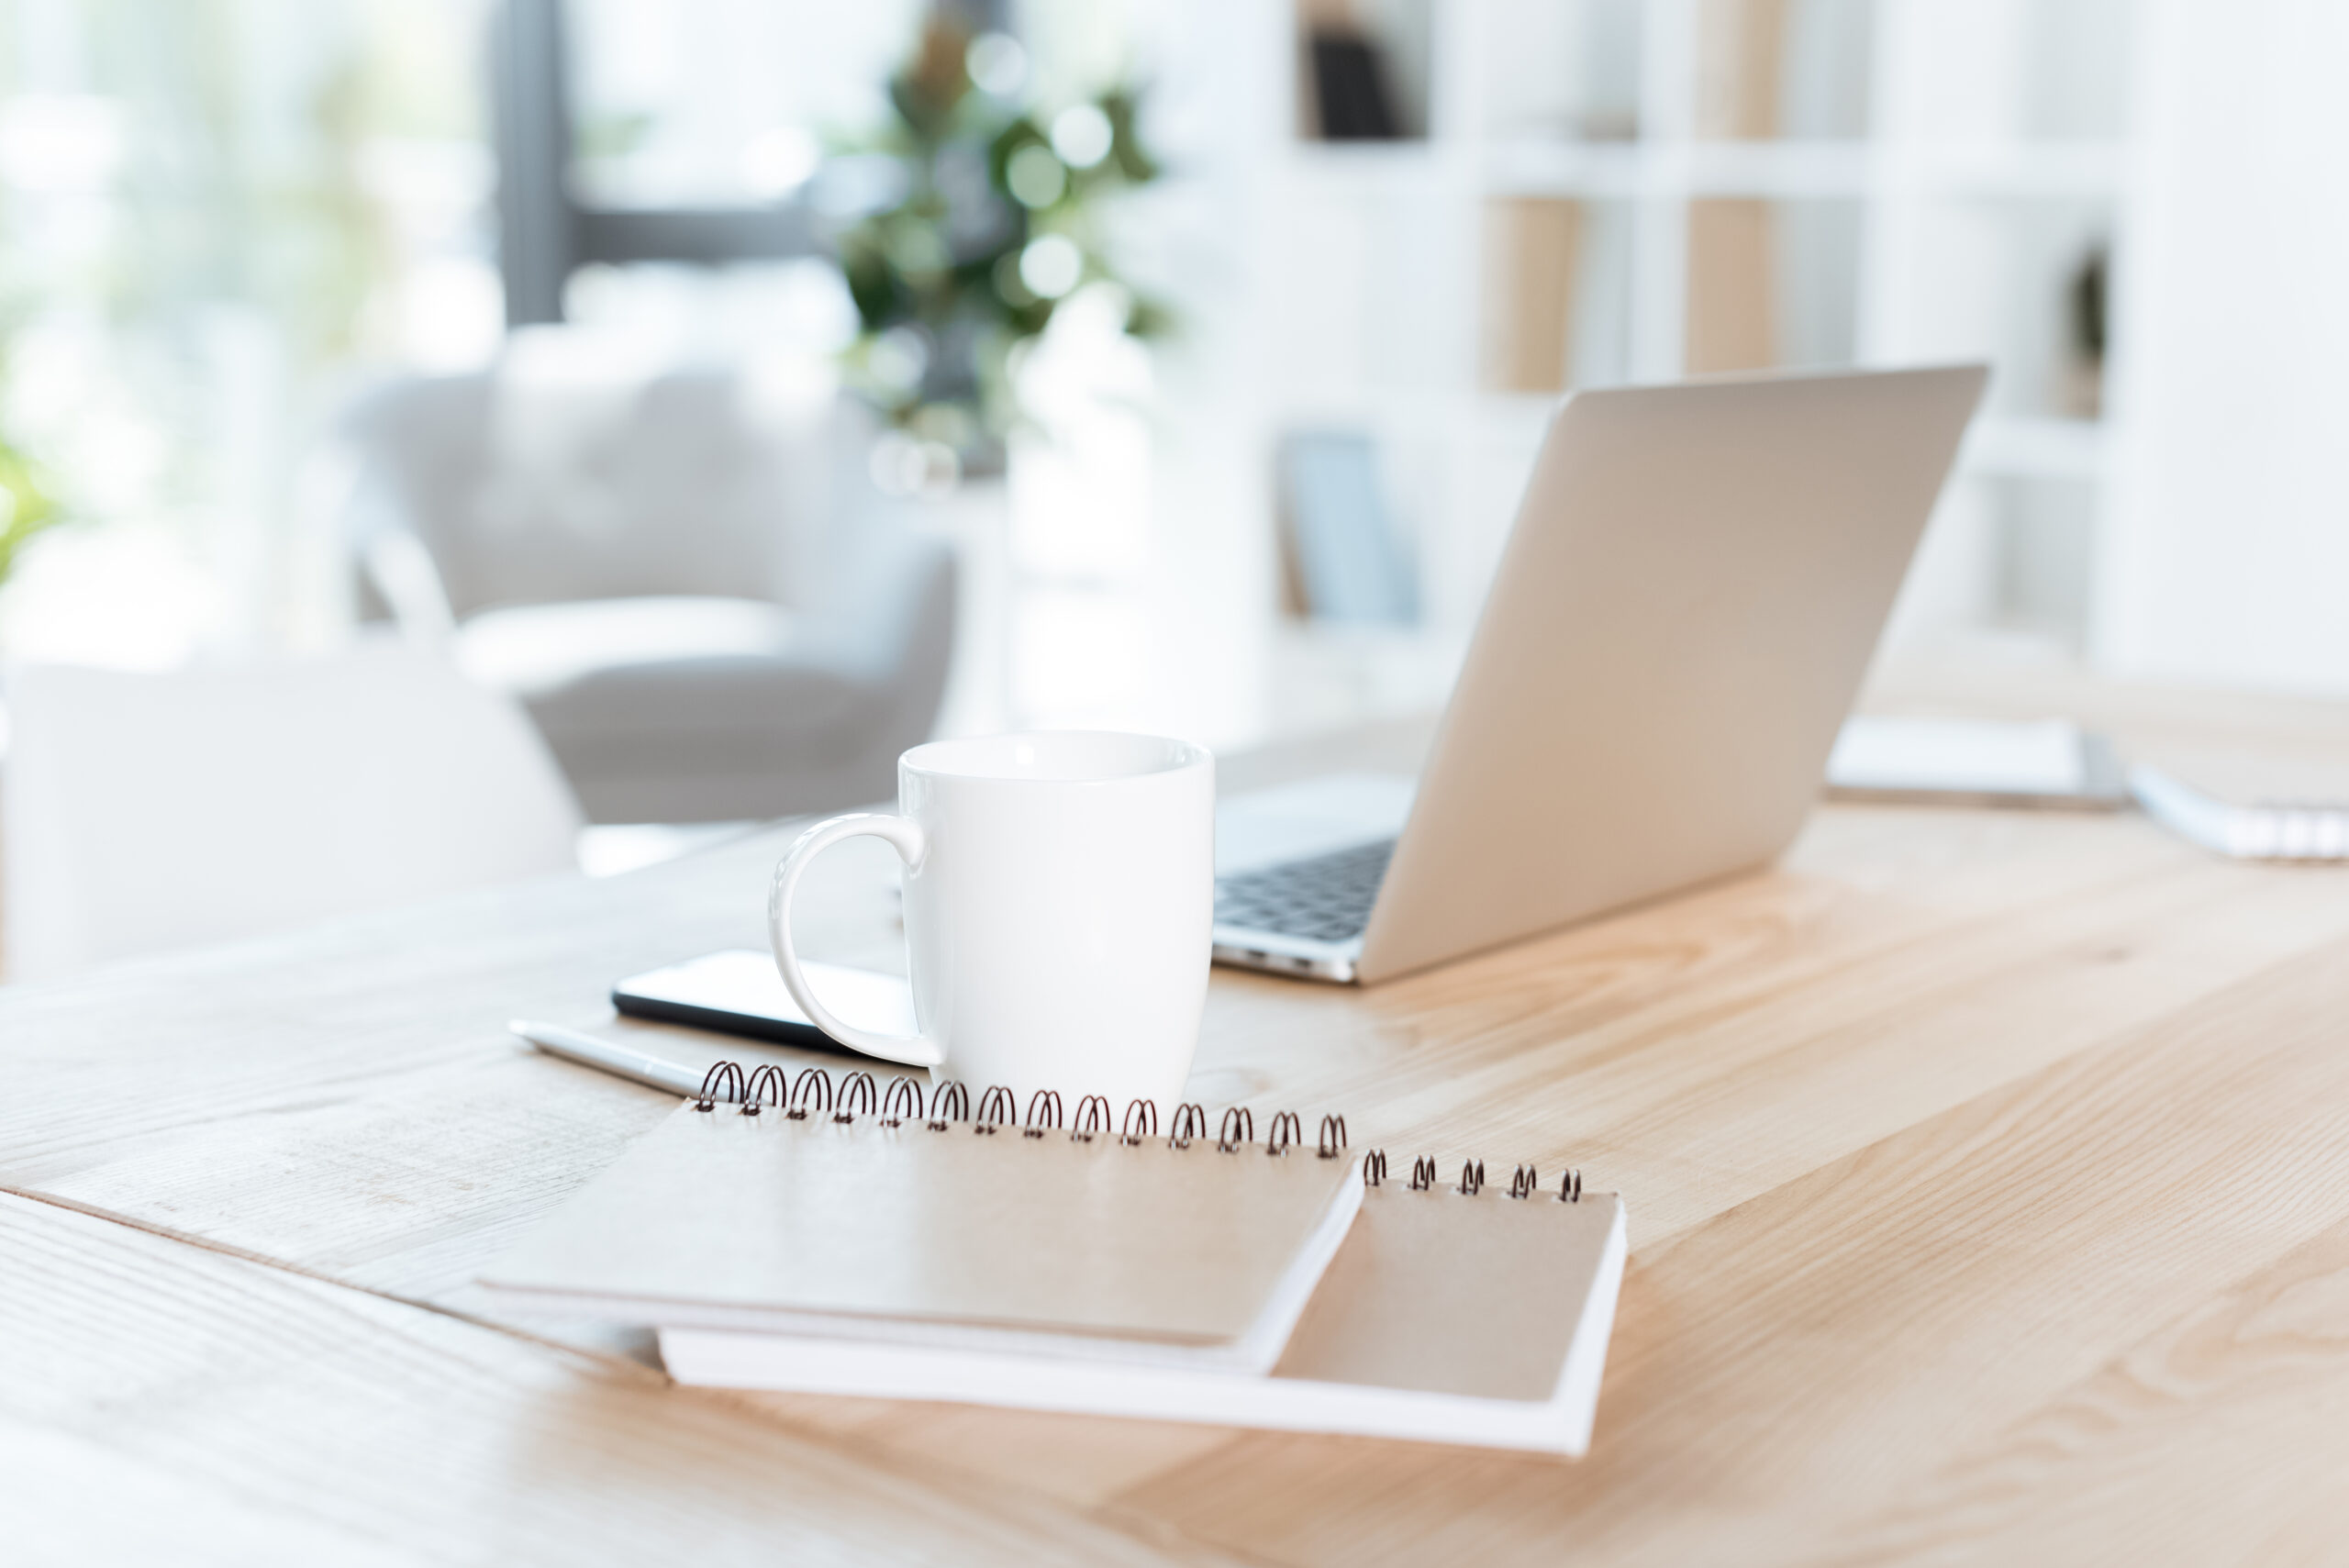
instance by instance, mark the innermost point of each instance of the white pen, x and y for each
(619, 1060)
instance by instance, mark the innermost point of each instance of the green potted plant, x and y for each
(25, 507)
(962, 225)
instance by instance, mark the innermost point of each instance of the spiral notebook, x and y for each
(1455, 1312)
(845, 1212)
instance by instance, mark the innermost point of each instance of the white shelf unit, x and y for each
(1935, 197)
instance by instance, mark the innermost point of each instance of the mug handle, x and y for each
(905, 836)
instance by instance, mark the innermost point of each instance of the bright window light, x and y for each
(778, 162)
(996, 63)
(1035, 176)
(1052, 265)
(1082, 135)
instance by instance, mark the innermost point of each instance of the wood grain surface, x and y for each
(163, 1394)
(1989, 1175)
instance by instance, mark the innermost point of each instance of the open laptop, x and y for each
(1695, 581)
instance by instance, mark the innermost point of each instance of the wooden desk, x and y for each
(1988, 1174)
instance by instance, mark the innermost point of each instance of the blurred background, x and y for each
(730, 392)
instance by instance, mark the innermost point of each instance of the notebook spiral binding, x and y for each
(812, 1095)
(1525, 1184)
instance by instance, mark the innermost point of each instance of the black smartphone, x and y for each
(739, 992)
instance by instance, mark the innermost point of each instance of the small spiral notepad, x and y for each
(818, 1236)
(841, 1208)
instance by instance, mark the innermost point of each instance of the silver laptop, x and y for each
(1682, 617)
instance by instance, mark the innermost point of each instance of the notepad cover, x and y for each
(1445, 1317)
(723, 1220)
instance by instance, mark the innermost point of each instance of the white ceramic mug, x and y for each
(1060, 896)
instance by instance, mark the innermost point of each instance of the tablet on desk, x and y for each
(739, 992)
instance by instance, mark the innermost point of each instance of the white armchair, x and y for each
(689, 584)
(141, 812)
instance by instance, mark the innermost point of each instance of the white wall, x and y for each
(2228, 555)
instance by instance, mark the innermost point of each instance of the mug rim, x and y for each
(1186, 755)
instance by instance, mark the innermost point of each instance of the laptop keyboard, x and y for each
(1326, 898)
